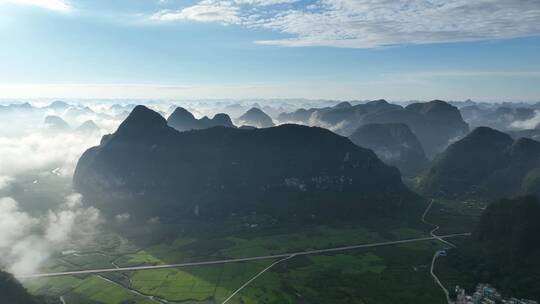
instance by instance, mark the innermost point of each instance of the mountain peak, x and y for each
(222, 119)
(182, 120)
(56, 123)
(377, 102)
(181, 113)
(142, 118)
(255, 110)
(486, 133)
(256, 117)
(434, 106)
(58, 104)
(88, 126)
(343, 105)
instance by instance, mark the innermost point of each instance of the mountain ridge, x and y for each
(224, 170)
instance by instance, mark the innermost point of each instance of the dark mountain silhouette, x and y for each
(244, 127)
(485, 164)
(511, 226)
(12, 292)
(257, 118)
(436, 123)
(182, 120)
(395, 144)
(504, 248)
(55, 123)
(147, 167)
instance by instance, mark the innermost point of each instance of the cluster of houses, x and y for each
(486, 294)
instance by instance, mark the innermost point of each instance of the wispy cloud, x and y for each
(26, 242)
(226, 12)
(370, 23)
(54, 5)
(205, 11)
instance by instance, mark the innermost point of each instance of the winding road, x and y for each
(437, 253)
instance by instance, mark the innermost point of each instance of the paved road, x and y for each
(437, 253)
(256, 258)
(432, 271)
(254, 278)
(436, 227)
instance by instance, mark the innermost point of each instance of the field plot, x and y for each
(202, 283)
(253, 243)
(99, 290)
(383, 275)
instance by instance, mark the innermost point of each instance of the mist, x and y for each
(530, 123)
(26, 242)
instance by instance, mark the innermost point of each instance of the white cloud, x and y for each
(55, 5)
(530, 123)
(264, 2)
(226, 12)
(41, 151)
(122, 218)
(5, 182)
(204, 11)
(26, 242)
(371, 23)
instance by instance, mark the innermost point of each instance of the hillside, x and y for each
(395, 144)
(12, 292)
(485, 164)
(219, 171)
(504, 248)
(435, 123)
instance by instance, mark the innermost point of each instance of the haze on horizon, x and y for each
(319, 49)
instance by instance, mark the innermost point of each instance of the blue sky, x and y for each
(334, 49)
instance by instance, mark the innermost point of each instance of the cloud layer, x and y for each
(54, 5)
(26, 242)
(40, 151)
(370, 23)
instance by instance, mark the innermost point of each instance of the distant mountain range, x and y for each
(55, 124)
(436, 123)
(485, 164)
(149, 168)
(183, 120)
(395, 144)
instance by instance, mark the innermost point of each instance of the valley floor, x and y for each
(385, 274)
(399, 273)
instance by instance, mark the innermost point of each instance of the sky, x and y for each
(485, 50)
